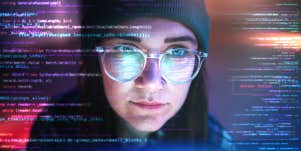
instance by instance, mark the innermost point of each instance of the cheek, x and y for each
(178, 94)
(115, 92)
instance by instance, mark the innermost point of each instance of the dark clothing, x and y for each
(63, 126)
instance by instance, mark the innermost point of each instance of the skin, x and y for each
(150, 86)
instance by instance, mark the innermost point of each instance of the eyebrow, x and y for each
(181, 38)
(167, 40)
(131, 38)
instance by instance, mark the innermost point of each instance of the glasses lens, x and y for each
(123, 62)
(179, 64)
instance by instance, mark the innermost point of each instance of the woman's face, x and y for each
(149, 101)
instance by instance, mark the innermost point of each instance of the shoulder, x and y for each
(217, 135)
(48, 122)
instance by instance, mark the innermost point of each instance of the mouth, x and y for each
(149, 105)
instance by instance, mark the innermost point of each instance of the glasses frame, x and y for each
(201, 56)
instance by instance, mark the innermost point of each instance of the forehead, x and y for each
(158, 27)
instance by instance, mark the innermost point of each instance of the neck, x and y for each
(126, 130)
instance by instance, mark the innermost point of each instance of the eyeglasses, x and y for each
(124, 62)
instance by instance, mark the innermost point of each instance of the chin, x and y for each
(147, 125)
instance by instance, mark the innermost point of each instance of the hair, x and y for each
(192, 115)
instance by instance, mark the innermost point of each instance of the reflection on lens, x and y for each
(179, 69)
(123, 65)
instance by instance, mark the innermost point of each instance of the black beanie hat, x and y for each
(191, 13)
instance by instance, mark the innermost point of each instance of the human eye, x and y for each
(124, 52)
(178, 52)
(125, 48)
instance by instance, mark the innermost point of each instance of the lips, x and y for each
(149, 105)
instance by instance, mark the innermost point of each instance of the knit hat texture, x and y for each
(191, 13)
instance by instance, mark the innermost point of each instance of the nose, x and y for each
(151, 79)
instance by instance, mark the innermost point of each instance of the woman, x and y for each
(151, 87)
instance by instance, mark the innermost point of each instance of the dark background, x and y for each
(253, 68)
